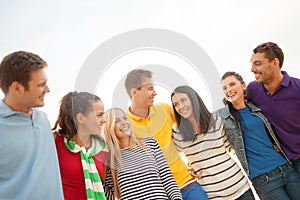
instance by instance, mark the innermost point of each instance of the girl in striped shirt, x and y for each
(137, 167)
(201, 136)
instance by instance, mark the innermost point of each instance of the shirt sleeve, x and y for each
(108, 186)
(166, 176)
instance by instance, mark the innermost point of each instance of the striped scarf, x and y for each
(93, 184)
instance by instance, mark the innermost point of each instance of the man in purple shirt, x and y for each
(278, 96)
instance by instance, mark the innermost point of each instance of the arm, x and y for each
(227, 145)
(108, 185)
(166, 176)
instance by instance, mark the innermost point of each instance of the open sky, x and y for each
(65, 33)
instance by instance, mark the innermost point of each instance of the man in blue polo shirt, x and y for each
(278, 96)
(28, 165)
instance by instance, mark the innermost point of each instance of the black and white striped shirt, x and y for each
(145, 174)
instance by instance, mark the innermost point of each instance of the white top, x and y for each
(222, 178)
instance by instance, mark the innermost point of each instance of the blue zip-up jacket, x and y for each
(234, 132)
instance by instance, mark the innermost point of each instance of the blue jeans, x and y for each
(281, 183)
(248, 195)
(296, 165)
(195, 192)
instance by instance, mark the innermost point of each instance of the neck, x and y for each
(124, 142)
(17, 106)
(239, 104)
(272, 85)
(83, 140)
(139, 111)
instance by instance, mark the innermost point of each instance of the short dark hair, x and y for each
(135, 79)
(18, 66)
(271, 51)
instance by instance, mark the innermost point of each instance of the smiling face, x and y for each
(233, 89)
(183, 105)
(145, 94)
(263, 68)
(92, 121)
(122, 125)
(37, 88)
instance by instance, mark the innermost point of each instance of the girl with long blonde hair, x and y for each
(137, 167)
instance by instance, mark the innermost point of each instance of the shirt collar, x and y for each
(5, 110)
(137, 118)
(286, 79)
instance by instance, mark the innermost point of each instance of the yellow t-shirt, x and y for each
(159, 126)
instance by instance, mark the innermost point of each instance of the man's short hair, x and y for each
(18, 66)
(135, 79)
(271, 51)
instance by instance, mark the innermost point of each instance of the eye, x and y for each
(118, 120)
(100, 115)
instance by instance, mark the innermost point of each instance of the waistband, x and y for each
(278, 169)
(188, 185)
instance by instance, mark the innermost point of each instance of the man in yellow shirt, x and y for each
(156, 121)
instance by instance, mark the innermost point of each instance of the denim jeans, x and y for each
(248, 195)
(296, 165)
(282, 183)
(195, 192)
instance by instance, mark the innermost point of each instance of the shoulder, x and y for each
(176, 135)
(221, 112)
(253, 85)
(216, 122)
(165, 106)
(40, 114)
(149, 141)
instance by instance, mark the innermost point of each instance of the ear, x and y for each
(244, 86)
(132, 91)
(16, 88)
(276, 62)
(80, 118)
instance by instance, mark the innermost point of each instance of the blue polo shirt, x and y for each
(283, 111)
(28, 165)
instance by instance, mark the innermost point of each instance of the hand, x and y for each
(197, 175)
(276, 148)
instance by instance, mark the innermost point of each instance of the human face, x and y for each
(233, 89)
(262, 68)
(145, 93)
(92, 122)
(123, 126)
(34, 96)
(183, 105)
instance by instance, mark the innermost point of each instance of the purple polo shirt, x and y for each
(283, 111)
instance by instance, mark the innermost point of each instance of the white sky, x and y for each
(65, 32)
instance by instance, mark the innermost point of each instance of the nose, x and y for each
(180, 106)
(253, 68)
(103, 120)
(47, 89)
(228, 89)
(154, 93)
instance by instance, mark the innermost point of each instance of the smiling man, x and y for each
(29, 165)
(278, 96)
(156, 120)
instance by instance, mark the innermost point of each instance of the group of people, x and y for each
(91, 153)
